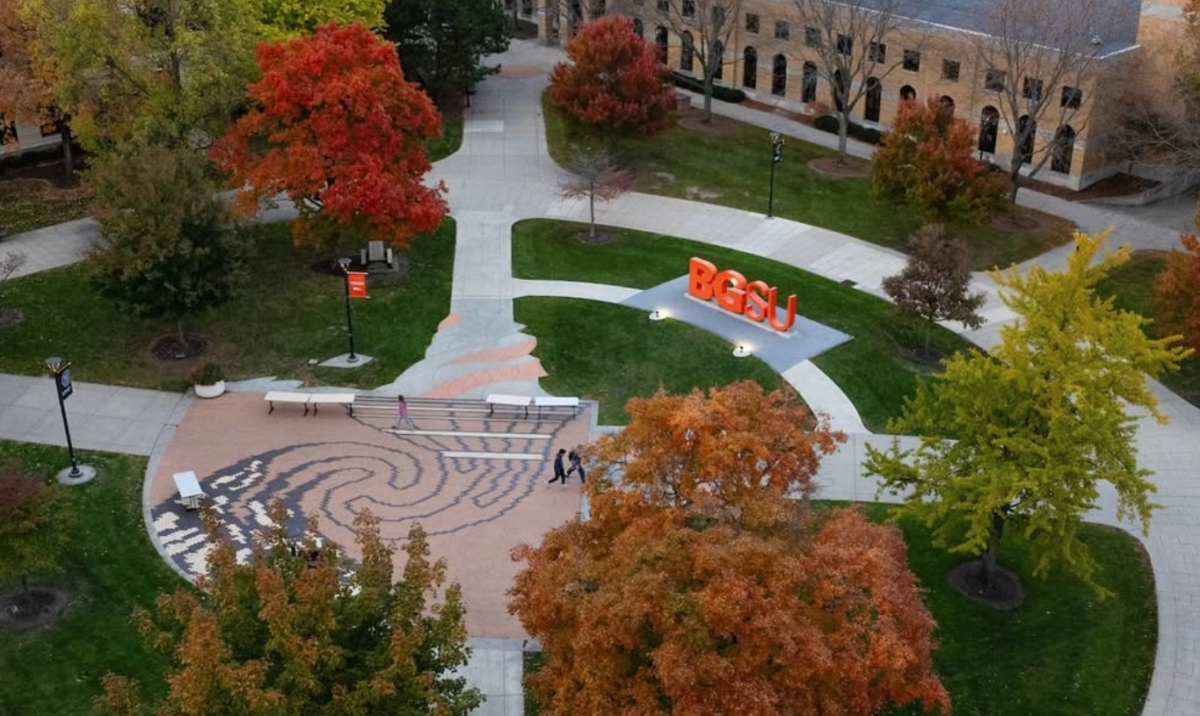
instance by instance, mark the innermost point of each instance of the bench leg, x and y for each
(315, 409)
(306, 408)
(491, 409)
(272, 404)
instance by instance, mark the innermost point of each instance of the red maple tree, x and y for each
(337, 128)
(1177, 293)
(700, 586)
(614, 82)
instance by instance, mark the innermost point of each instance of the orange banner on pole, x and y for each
(357, 282)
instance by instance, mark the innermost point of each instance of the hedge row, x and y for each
(829, 123)
(725, 94)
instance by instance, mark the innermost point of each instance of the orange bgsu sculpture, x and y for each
(753, 299)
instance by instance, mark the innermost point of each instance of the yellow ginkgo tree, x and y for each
(1021, 436)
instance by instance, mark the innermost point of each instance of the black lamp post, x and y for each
(61, 370)
(345, 264)
(776, 157)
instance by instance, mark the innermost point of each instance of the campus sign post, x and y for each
(731, 291)
(63, 388)
(356, 287)
(776, 158)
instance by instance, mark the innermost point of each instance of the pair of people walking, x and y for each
(560, 473)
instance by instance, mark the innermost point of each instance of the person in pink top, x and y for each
(402, 415)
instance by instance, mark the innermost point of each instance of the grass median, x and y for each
(731, 167)
(877, 369)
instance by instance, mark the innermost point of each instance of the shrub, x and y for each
(829, 123)
(725, 94)
(207, 374)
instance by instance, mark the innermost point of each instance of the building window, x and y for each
(809, 93)
(812, 37)
(526, 7)
(1032, 89)
(989, 123)
(839, 89)
(1026, 130)
(947, 104)
(689, 8)
(874, 99)
(750, 68)
(752, 23)
(661, 41)
(687, 52)
(1064, 147)
(912, 60)
(845, 45)
(950, 69)
(994, 82)
(664, 6)
(907, 93)
(779, 76)
(1072, 97)
(877, 52)
(718, 56)
(599, 7)
(718, 17)
(781, 30)
(639, 28)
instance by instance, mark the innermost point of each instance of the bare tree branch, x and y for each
(596, 178)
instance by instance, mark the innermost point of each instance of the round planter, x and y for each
(210, 391)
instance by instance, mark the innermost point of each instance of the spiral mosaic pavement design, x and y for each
(478, 487)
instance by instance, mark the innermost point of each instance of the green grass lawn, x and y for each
(452, 133)
(734, 171)
(27, 204)
(877, 369)
(1064, 653)
(109, 568)
(285, 315)
(1133, 287)
(613, 353)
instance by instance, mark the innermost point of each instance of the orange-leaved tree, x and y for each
(1177, 293)
(337, 128)
(298, 630)
(926, 161)
(705, 583)
(614, 82)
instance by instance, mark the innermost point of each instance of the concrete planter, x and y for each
(210, 391)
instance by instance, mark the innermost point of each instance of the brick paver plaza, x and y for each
(477, 496)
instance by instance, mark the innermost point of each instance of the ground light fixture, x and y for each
(742, 351)
(658, 314)
(61, 370)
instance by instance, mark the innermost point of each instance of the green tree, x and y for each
(169, 71)
(441, 43)
(1022, 436)
(300, 631)
(168, 250)
(33, 527)
(286, 19)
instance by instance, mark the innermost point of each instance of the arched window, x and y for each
(779, 75)
(718, 56)
(687, 51)
(907, 93)
(1026, 130)
(598, 7)
(989, 122)
(874, 99)
(1064, 147)
(750, 68)
(639, 28)
(839, 87)
(526, 7)
(947, 103)
(660, 41)
(809, 91)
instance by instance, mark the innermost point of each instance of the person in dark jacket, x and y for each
(560, 472)
(576, 461)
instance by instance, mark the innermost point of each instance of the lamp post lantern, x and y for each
(61, 370)
(345, 264)
(776, 158)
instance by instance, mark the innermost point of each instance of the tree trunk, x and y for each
(181, 335)
(64, 131)
(1014, 182)
(989, 555)
(592, 207)
(708, 97)
(843, 131)
(928, 334)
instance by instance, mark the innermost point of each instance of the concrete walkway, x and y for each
(102, 417)
(53, 246)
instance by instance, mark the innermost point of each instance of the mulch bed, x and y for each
(169, 348)
(44, 606)
(693, 119)
(828, 167)
(48, 169)
(1006, 592)
(10, 317)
